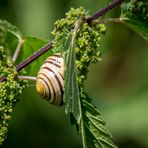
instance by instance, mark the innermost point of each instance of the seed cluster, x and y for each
(87, 40)
(9, 92)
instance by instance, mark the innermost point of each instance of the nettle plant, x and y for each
(61, 78)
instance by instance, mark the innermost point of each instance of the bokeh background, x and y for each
(118, 85)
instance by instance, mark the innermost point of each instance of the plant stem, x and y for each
(49, 45)
(2, 79)
(26, 78)
(44, 49)
(109, 20)
(104, 10)
(19, 45)
(34, 56)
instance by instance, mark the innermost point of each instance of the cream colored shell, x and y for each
(50, 81)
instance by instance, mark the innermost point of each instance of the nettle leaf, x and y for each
(7, 27)
(30, 46)
(93, 128)
(9, 37)
(87, 118)
(135, 14)
(71, 92)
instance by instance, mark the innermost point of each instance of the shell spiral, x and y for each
(50, 81)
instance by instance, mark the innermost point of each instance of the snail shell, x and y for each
(50, 81)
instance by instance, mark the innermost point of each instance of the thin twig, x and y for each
(34, 56)
(104, 10)
(108, 20)
(26, 78)
(2, 79)
(44, 49)
(49, 45)
(19, 45)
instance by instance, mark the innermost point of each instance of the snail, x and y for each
(50, 81)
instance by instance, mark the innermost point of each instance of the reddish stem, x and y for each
(34, 56)
(49, 45)
(104, 10)
(2, 79)
(44, 49)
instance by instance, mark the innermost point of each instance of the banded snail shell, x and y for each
(50, 81)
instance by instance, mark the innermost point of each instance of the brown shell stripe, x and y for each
(56, 55)
(53, 63)
(55, 58)
(49, 78)
(54, 93)
(56, 77)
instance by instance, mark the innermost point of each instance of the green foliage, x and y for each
(7, 27)
(9, 92)
(12, 88)
(30, 46)
(92, 127)
(71, 91)
(80, 47)
(96, 135)
(135, 13)
(79, 44)
(9, 37)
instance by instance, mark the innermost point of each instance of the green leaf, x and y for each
(93, 130)
(71, 94)
(86, 117)
(7, 27)
(9, 37)
(135, 14)
(30, 46)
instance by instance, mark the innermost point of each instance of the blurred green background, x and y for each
(118, 85)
